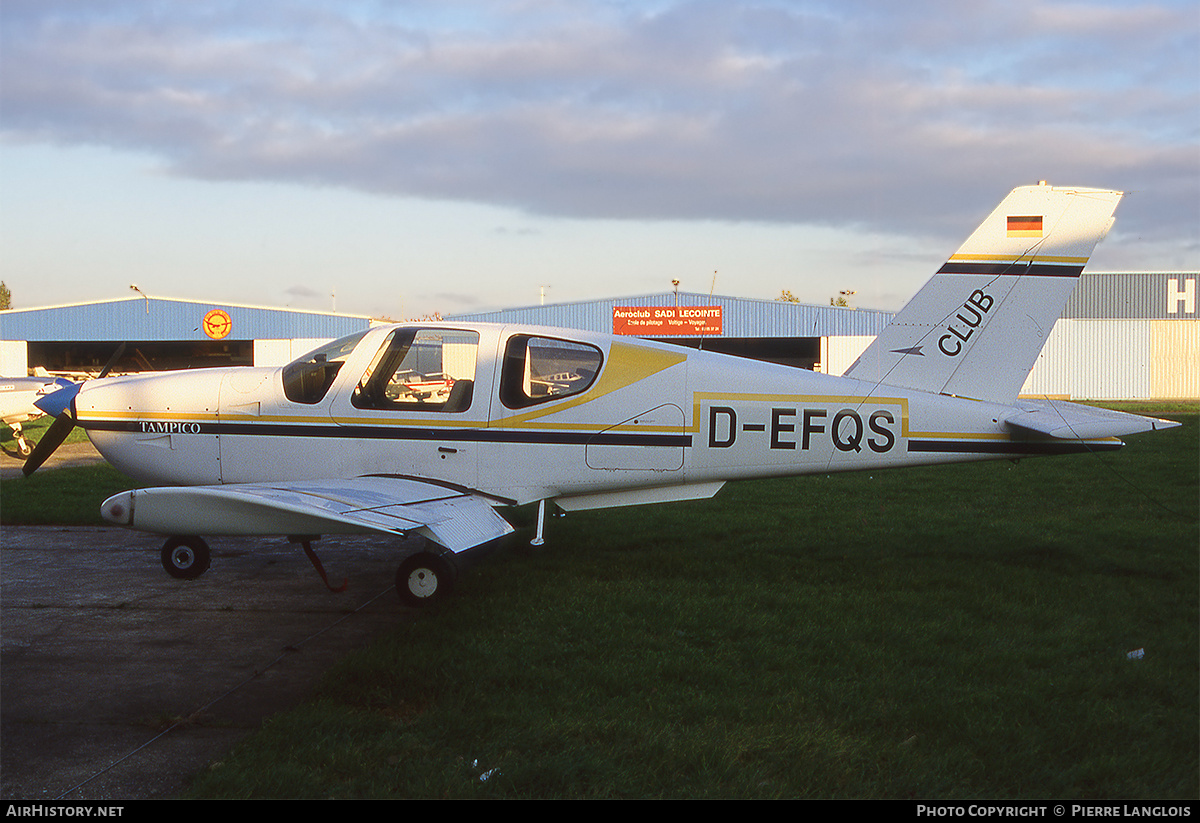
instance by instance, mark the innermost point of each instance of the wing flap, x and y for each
(640, 496)
(455, 518)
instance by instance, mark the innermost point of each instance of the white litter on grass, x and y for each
(1136, 654)
(490, 773)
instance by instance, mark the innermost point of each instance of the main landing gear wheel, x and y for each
(185, 558)
(424, 579)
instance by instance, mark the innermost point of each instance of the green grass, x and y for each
(34, 430)
(60, 497)
(951, 632)
(67, 496)
(956, 632)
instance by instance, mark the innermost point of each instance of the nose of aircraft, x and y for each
(163, 428)
(58, 406)
(56, 402)
(123, 414)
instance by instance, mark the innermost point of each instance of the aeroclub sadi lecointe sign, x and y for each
(653, 320)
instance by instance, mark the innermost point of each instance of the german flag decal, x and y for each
(1027, 226)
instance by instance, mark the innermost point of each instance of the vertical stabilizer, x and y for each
(976, 328)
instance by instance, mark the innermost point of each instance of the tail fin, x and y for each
(976, 328)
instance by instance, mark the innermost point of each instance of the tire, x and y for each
(424, 579)
(185, 558)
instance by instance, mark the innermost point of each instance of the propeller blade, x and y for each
(50, 441)
(57, 402)
(58, 405)
(112, 361)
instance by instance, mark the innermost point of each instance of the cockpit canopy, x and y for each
(433, 369)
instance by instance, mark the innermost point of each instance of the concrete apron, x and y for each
(119, 682)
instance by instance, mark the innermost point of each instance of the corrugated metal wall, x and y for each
(155, 319)
(742, 317)
(1124, 336)
(1134, 296)
(839, 353)
(1095, 360)
(1175, 359)
(1119, 360)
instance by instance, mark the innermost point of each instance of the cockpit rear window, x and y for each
(308, 379)
(542, 369)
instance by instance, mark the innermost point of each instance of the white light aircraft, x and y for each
(340, 441)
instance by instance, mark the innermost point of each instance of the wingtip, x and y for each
(118, 509)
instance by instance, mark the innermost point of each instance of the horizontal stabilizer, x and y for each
(456, 519)
(1071, 421)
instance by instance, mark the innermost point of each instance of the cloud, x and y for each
(891, 116)
(302, 291)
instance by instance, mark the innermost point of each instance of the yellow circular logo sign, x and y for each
(217, 324)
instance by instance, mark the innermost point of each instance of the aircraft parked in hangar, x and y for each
(429, 428)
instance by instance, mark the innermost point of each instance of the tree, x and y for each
(842, 301)
(5, 296)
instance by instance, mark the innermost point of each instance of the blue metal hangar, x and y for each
(1121, 336)
(822, 338)
(161, 334)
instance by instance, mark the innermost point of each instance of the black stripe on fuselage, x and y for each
(413, 433)
(581, 438)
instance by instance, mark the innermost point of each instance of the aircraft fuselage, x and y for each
(548, 414)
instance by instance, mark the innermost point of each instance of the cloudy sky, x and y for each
(416, 156)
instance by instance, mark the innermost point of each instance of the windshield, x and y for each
(308, 378)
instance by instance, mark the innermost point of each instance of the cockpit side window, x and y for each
(421, 370)
(307, 379)
(541, 369)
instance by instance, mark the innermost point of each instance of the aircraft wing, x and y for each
(1072, 421)
(455, 518)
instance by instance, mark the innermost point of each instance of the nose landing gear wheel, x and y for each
(424, 579)
(185, 558)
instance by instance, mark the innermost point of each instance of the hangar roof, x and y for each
(741, 317)
(156, 318)
(1099, 295)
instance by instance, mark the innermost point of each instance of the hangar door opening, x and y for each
(90, 356)
(798, 352)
